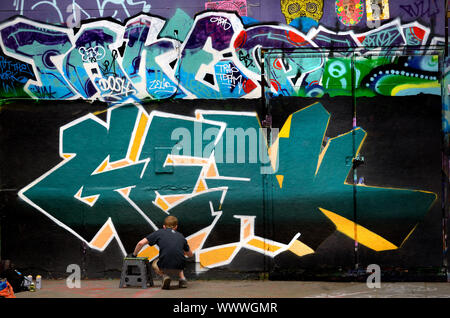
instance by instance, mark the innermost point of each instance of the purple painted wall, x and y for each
(427, 12)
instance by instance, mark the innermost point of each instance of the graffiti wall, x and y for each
(217, 57)
(285, 135)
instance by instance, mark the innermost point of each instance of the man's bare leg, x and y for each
(156, 268)
(182, 283)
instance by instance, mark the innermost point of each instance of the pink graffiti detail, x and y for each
(239, 6)
(349, 12)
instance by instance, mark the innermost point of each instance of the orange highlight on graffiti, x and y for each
(103, 237)
(138, 137)
(215, 256)
(211, 171)
(201, 186)
(150, 252)
(359, 233)
(300, 249)
(280, 179)
(160, 203)
(263, 245)
(173, 199)
(196, 241)
(247, 231)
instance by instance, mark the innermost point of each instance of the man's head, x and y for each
(170, 222)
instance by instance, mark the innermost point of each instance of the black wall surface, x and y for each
(402, 150)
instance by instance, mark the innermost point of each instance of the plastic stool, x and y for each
(136, 272)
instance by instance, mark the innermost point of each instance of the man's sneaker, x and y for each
(183, 283)
(166, 282)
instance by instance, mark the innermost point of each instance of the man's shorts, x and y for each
(164, 271)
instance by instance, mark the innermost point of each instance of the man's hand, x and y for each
(131, 255)
(188, 253)
(139, 246)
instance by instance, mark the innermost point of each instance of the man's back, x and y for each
(172, 246)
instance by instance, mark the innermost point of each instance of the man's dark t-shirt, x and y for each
(171, 246)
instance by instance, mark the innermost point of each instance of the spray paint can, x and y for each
(25, 280)
(38, 282)
(28, 281)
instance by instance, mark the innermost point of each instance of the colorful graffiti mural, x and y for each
(350, 12)
(14, 76)
(293, 9)
(129, 167)
(239, 6)
(377, 9)
(72, 12)
(218, 58)
(403, 76)
(132, 176)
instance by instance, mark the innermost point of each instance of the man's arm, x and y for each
(139, 246)
(187, 249)
(188, 253)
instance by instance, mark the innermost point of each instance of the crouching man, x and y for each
(173, 249)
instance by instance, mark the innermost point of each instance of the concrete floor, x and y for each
(109, 288)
